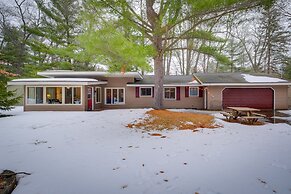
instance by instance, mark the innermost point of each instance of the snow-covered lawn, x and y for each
(93, 152)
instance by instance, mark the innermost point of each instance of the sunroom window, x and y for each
(34, 95)
(68, 95)
(72, 95)
(54, 95)
(77, 95)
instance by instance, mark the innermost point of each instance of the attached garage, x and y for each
(262, 98)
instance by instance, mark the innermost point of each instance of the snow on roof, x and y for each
(55, 81)
(255, 79)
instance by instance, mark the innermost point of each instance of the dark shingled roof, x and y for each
(220, 77)
(168, 79)
(209, 78)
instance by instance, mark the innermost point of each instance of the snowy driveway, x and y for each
(93, 152)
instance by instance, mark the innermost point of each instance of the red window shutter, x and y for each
(178, 93)
(187, 91)
(153, 91)
(201, 91)
(137, 92)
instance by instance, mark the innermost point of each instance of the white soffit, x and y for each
(56, 81)
(88, 74)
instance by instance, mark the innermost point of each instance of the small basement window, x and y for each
(146, 91)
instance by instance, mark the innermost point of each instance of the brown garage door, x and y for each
(261, 98)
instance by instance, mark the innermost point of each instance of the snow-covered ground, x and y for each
(93, 152)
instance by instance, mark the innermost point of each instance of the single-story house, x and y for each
(91, 90)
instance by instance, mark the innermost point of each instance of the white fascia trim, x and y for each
(89, 73)
(247, 84)
(165, 85)
(55, 83)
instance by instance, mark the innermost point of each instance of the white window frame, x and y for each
(140, 94)
(73, 93)
(170, 98)
(26, 96)
(100, 100)
(111, 88)
(44, 95)
(193, 95)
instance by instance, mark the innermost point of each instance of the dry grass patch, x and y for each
(164, 119)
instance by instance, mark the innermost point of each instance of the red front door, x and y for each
(89, 99)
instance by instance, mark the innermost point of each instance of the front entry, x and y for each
(90, 98)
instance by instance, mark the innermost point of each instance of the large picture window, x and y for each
(146, 91)
(72, 95)
(193, 91)
(170, 93)
(53, 95)
(34, 95)
(77, 95)
(68, 95)
(114, 96)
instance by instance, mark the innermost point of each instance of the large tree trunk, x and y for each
(154, 20)
(159, 81)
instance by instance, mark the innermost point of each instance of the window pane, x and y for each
(39, 95)
(166, 93)
(146, 91)
(169, 93)
(54, 95)
(31, 95)
(77, 95)
(108, 96)
(115, 100)
(172, 93)
(98, 95)
(193, 92)
(68, 95)
(121, 93)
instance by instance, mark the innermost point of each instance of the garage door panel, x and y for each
(252, 97)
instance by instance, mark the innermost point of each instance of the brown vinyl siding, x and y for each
(148, 102)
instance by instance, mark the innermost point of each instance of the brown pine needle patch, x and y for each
(164, 119)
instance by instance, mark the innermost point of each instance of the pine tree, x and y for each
(13, 51)
(276, 38)
(57, 31)
(7, 98)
